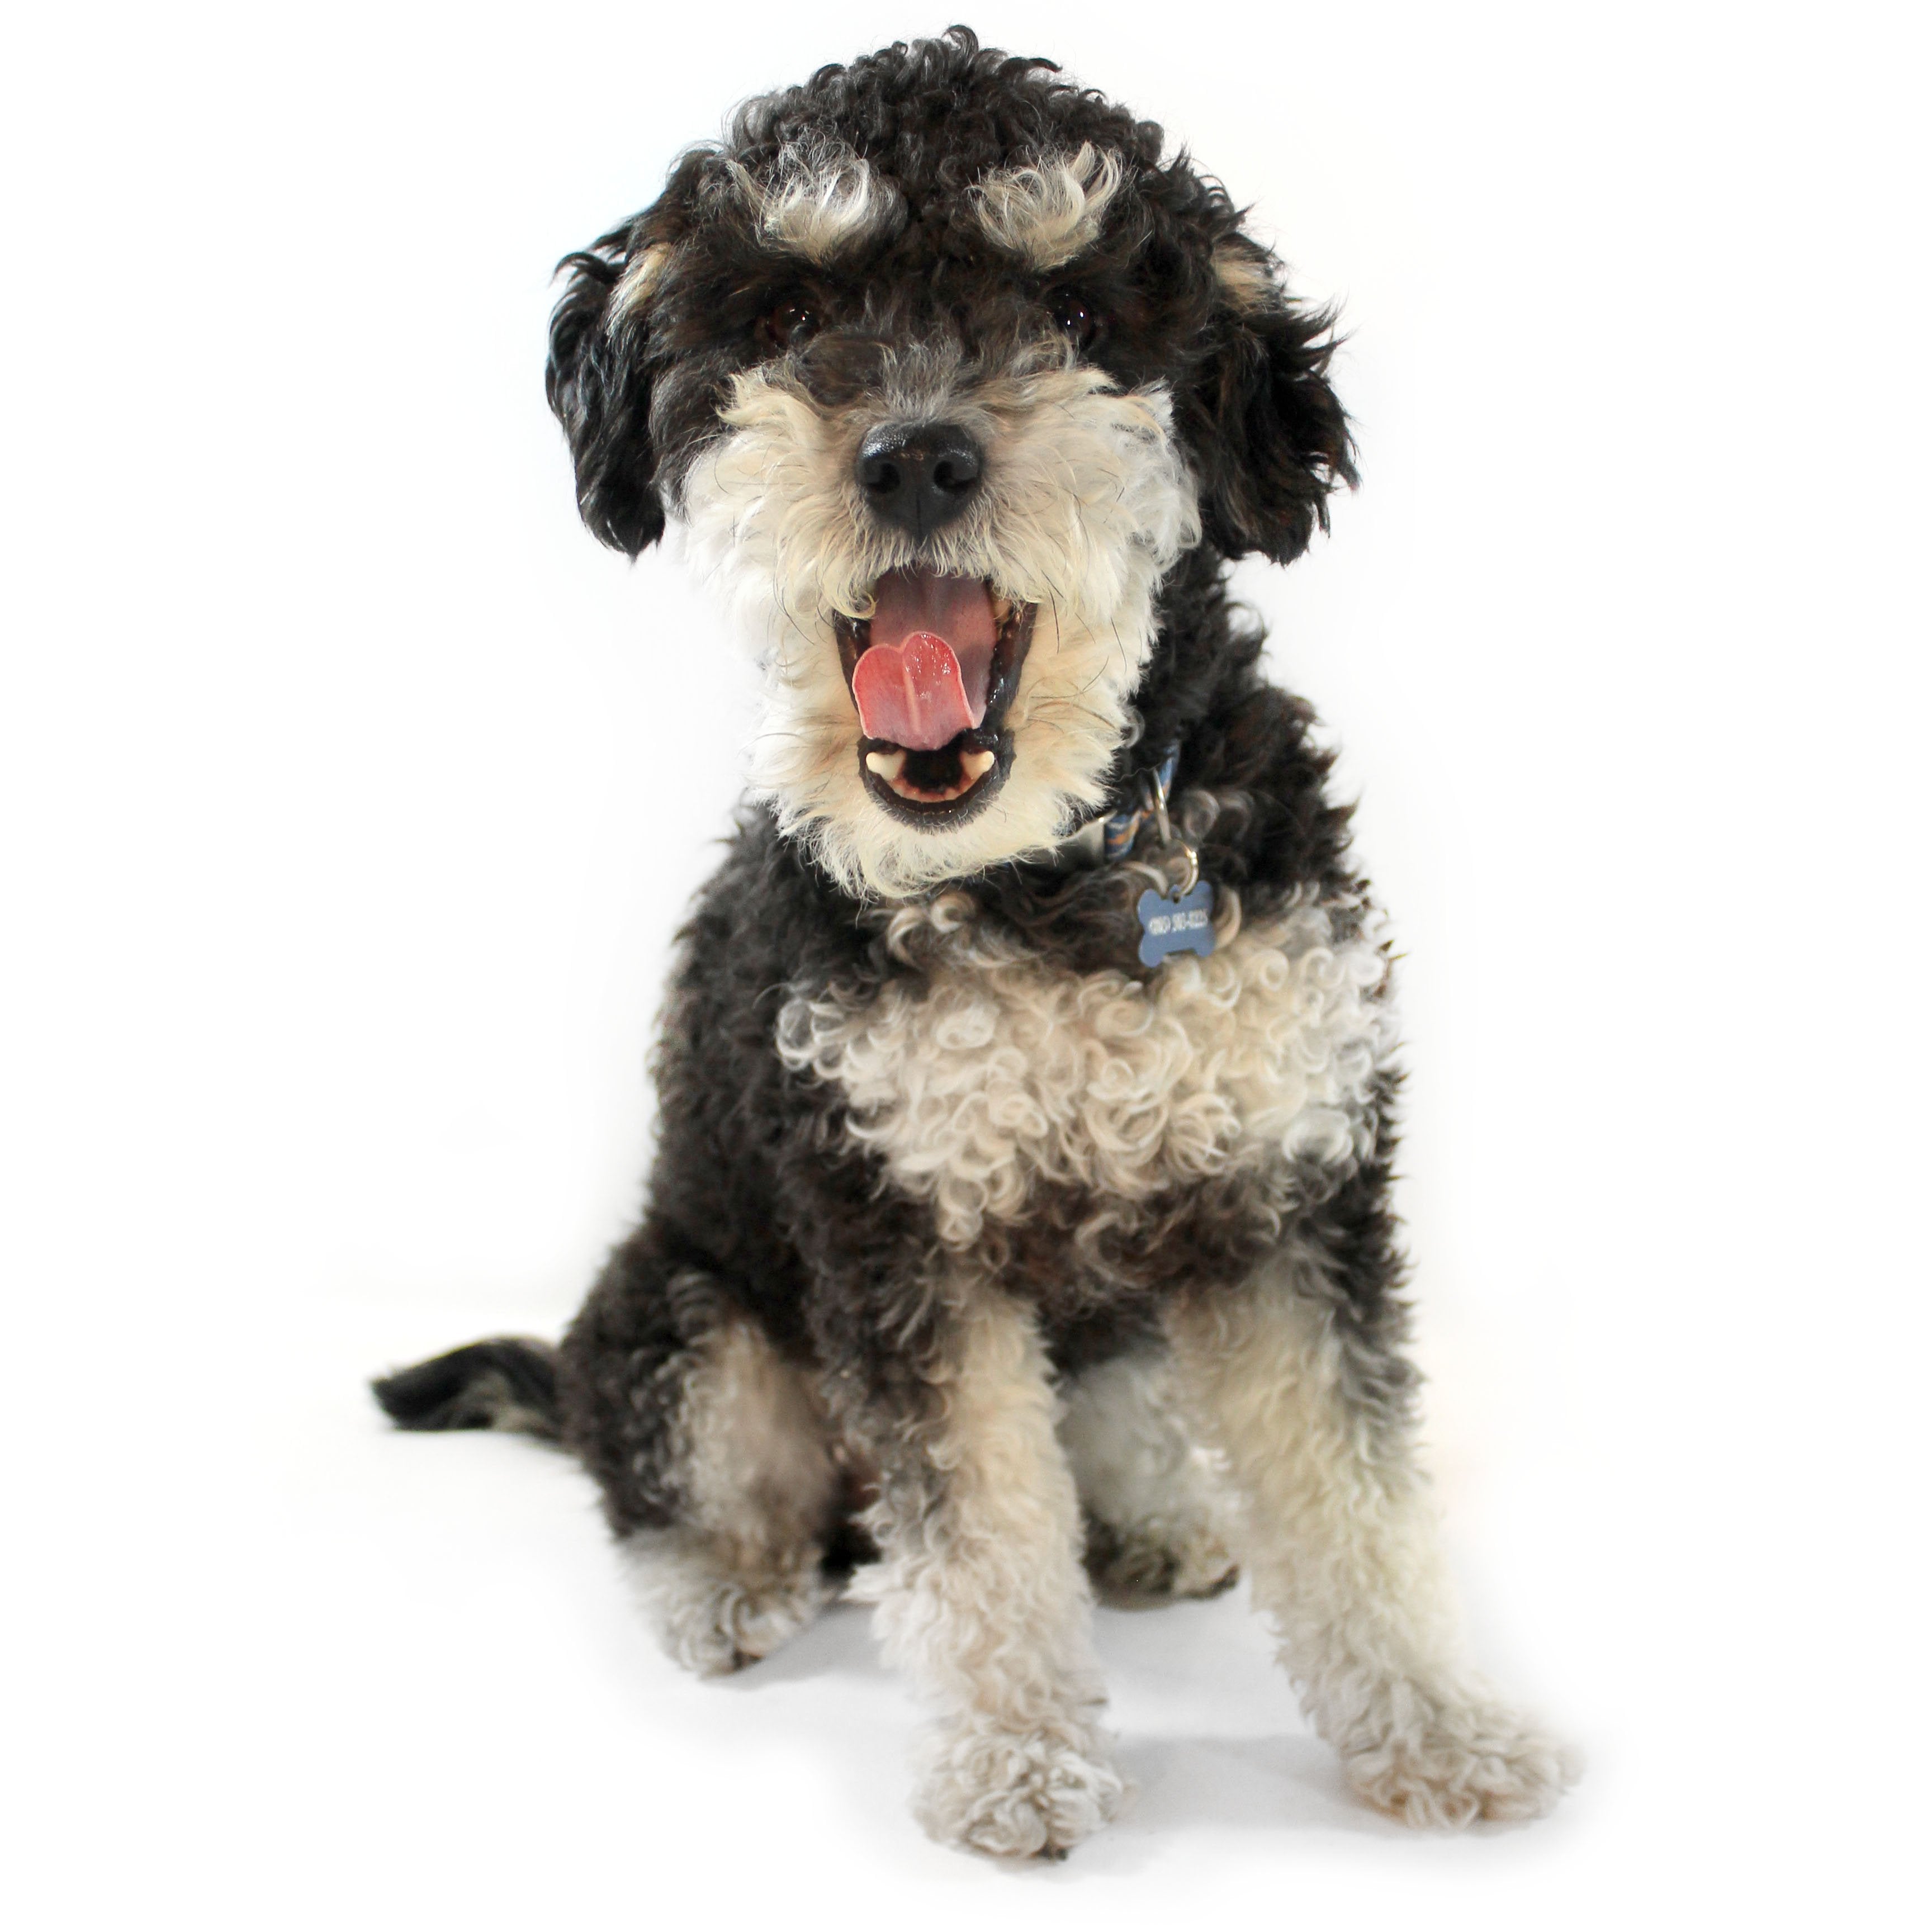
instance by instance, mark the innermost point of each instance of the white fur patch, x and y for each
(1086, 503)
(1338, 1536)
(739, 1572)
(1245, 277)
(710, 1618)
(637, 283)
(999, 1070)
(822, 202)
(1050, 212)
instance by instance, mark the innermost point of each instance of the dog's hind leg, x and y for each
(982, 1599)
(740, 1569)
(1335, 1528)
(715, 1456)
(1145, 1488)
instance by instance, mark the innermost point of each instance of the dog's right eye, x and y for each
(792, 323)
(1078, 321)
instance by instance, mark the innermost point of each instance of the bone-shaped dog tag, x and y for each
(1170, 925)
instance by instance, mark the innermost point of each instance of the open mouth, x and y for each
(932, 672)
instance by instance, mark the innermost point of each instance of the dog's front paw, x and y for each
(1016, 1793)
(1445, 1762)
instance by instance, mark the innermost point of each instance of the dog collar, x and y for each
(1107, 839)
(1180, 919)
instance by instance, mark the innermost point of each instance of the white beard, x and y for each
(1086, 503)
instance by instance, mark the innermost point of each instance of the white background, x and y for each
(351, 793)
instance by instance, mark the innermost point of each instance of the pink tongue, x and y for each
(923, 680)
(911, 693)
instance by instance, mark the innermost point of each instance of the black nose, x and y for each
(919, 478)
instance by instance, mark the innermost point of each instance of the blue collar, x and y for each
(1119, 833)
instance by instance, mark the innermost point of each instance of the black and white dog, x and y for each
(1020, 1223)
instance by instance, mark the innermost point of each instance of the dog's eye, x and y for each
(791, 324)
(1078, 322)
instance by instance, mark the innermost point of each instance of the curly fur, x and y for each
(978, 1255)
(820, 201)
(1048, 213)
(995, 1071)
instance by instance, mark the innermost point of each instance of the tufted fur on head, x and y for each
(1185, 290)
(943, 234)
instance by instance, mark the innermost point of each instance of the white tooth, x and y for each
(975, 765)
(887, 764)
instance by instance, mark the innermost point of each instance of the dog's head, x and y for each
(942, 370)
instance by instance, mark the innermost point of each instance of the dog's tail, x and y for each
(509, 1383)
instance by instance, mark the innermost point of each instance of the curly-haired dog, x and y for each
(1019, 1225)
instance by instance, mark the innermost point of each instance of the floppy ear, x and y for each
(1276, 440)
(599, 388)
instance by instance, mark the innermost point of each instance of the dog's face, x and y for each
(941, 371)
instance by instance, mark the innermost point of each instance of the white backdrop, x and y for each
(351, 793)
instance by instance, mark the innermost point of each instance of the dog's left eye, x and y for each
(792, 323)
(1078, 322)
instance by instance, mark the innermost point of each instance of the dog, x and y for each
(1019, 1228)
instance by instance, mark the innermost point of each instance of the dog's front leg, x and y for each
(1336, 1529)
(983, 1599)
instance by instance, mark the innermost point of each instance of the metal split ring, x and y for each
(1169, 844)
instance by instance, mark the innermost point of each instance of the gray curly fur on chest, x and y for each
(995, 1079)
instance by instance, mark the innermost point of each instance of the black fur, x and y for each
(506, 1384)
(602, 397)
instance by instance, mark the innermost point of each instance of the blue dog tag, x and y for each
(1170, 925)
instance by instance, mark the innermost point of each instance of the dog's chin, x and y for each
(939, 789)
(936, 791)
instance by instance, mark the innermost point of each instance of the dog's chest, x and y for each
(994, 1074)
